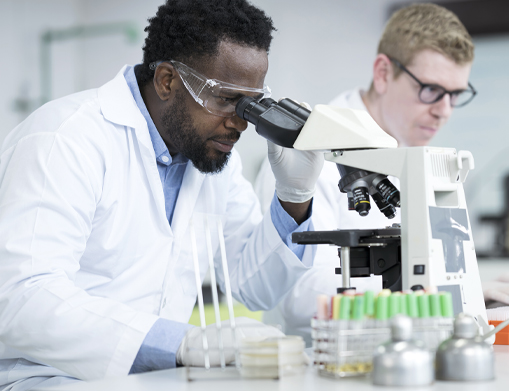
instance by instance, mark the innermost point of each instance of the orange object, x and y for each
(502, 337)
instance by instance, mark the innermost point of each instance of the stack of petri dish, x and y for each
(272, 357)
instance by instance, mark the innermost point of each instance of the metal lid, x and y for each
(401, 328)
(465, 326)
(402, 361)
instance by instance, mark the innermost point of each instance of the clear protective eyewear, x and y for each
(431, 93)
(216, 96)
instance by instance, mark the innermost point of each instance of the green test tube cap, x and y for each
(403, 309)
(358, 307)
(345, 307)
(423, 304)
(382, 307)
(394, 304)
(369, 304)
(446, 304)
(434, 305)
(411, 305)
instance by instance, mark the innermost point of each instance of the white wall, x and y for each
(321, 48)
(21, 22)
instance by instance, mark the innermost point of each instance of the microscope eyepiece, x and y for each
(242, 105)
(249, 109)
(279, 122)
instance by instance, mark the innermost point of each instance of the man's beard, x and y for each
(184, 136)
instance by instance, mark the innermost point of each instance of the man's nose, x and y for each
(236, 123)
(442, 108)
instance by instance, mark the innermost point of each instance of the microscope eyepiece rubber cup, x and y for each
(247, 105)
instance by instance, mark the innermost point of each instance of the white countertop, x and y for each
(175, 380)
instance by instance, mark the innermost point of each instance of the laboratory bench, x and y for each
(176, 380)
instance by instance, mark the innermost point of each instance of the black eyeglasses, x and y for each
(431, 93)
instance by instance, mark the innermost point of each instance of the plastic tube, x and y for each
(394, 304)
(358, 307)
(322, 307)
(345, 308)
(369, 304)
(199, 291)
(423, 304)
(228, 289)
(446, 304)
(434, 305)
(411, 305)
(336, 304)
(382, 308)
(215, 298)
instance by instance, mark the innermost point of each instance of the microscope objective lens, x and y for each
(361, 200)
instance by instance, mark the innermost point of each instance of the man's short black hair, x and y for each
(187, 30)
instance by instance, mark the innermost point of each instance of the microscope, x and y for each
(433, 246)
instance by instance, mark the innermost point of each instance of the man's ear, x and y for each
(382, 73)
(165, 78)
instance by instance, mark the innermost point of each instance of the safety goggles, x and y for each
(216, 96)
(431, 93)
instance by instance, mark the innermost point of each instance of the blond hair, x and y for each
(425, 26)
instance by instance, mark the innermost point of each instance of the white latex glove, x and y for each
(295, 171)
(497, 290)
(503, 277)
(191, 350)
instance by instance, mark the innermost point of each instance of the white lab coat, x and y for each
(330, 212)
(88, 259)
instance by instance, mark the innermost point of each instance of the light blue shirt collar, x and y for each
(161, 151)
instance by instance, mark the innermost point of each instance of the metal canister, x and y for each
(465, 356)
(402, 361)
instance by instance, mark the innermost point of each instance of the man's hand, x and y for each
(296, 173)
(497, 290)
(191, 350)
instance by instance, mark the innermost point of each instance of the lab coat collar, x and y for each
(118, 104)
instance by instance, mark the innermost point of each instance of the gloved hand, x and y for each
(296, 172)
(497, 290)
(191, 350)
(503, 277)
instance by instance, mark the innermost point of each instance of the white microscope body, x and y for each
(437, 247)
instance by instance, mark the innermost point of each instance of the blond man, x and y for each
(420, 75)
